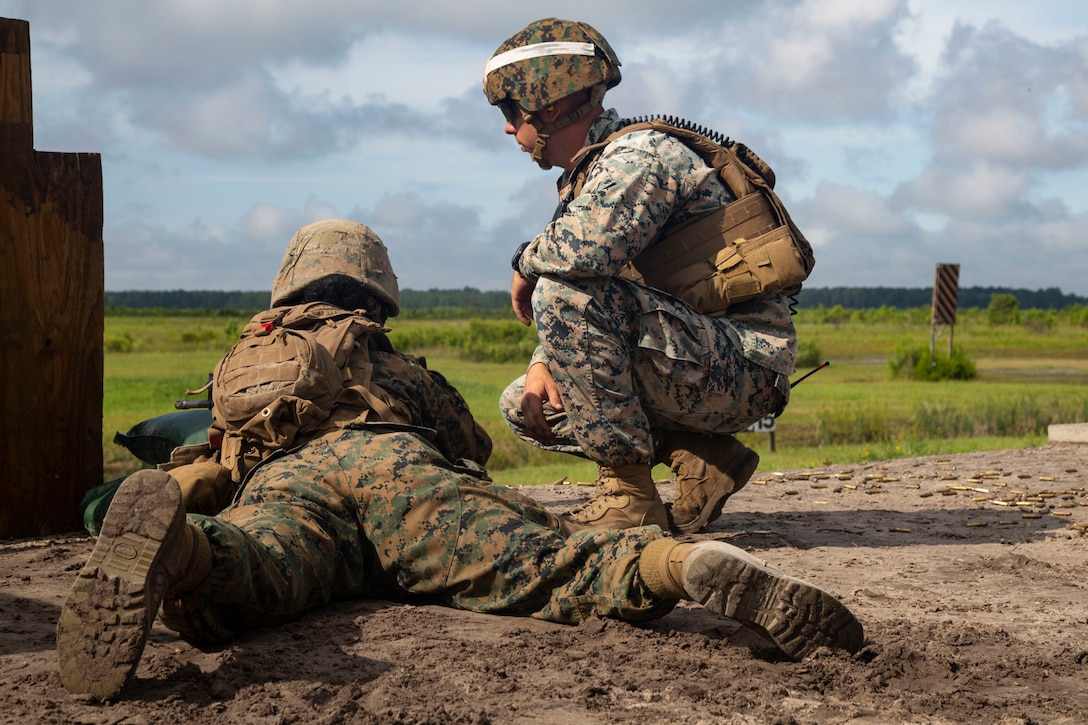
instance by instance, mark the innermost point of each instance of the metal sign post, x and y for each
(766, 424)
(945, 291)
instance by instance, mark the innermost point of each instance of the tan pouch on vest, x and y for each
(696, 264)
(744, 249)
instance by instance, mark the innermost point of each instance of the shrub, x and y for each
(836, 316)
(918, 363)
(903, 360)
(1078, 315)
(482, 340)
(1004, 309)
(809, 355)
(233, 329)
(118, 343)
(498, 341)
(199, 337)
(935, 367)
(421, 338)
(1039, 320)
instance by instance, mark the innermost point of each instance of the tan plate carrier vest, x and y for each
(296, 371)
(731, 254)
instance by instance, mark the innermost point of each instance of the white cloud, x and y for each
(265, 221)
(821, 59)
(855, 213)
(903, 132)
(1004, 99)
(974, 191)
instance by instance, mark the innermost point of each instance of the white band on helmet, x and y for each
(537, 50)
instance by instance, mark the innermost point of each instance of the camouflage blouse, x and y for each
(642, 184)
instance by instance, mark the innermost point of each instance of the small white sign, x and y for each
(763, 425)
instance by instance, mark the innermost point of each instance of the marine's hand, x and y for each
(539, 389)
(521, 297)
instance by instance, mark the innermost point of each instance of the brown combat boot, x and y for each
(796, 616)
(709, 469)
(626, 497)
(145, 548)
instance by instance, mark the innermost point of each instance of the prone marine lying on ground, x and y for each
(359, 473)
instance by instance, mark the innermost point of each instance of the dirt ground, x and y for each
(970, 574)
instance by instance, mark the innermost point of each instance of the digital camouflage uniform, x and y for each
(632, 362)
(399, 507)
(388, 510)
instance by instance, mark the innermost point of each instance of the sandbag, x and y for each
(154, 439)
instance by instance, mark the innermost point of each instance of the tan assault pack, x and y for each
(295, 371)
(746, 248)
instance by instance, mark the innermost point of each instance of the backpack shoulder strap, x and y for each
(750, 181)
(740, 168)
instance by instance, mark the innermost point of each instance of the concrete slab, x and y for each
(1068, 433)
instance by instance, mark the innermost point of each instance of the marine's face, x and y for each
(524, 133)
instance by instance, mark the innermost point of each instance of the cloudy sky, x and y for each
(904, 133)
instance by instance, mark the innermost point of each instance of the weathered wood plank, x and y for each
(51, 314)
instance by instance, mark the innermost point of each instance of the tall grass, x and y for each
(853, 423)
(479, 340)
(1020, 415)
(1029, 376)
(1016, 416)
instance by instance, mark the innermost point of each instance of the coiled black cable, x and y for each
(715, 136)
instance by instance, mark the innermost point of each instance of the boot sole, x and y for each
(104, 624)
(796, 616)
(716, 500)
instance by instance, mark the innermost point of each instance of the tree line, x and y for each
(452, 302)
(448, 301)
(865, 298)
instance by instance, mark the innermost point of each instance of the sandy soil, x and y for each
(970, 574)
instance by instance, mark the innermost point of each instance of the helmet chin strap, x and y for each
(542, 133)
(544, 130)
(538, 151)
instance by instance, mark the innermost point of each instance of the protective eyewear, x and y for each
(510, 110)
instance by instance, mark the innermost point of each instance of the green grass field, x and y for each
(1029, 376)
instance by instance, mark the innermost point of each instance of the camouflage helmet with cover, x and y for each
(548, 60)
(337, 247)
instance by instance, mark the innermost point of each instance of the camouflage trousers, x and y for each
(631, 363)
(371, 513)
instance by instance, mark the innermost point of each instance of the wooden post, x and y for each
(51, 314)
